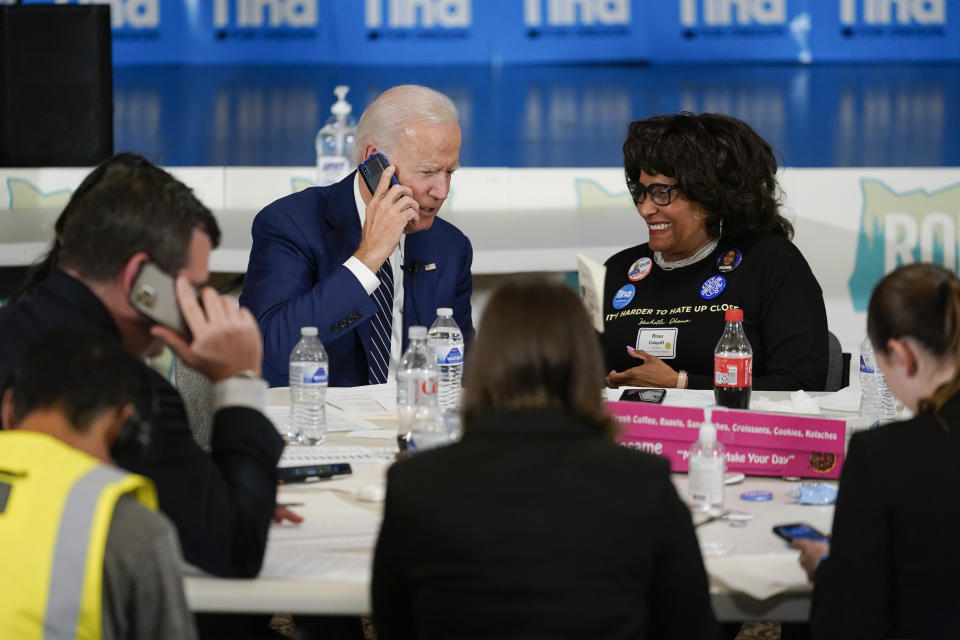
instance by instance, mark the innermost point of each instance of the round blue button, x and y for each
(756, 496)
(623, 296)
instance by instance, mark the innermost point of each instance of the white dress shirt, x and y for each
(370, 282)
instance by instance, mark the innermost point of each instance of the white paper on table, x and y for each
(356, 531)
(847, 399)
(380, 434)
(385, 394)
(690, 398)
(674, 397)
(337, 420)
(760, 576)
(300, 562)
(360, 401)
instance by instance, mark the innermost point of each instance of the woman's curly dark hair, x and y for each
(718, 161)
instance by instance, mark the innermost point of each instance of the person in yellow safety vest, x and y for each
(83, 552)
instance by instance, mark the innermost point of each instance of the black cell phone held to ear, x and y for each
(372, 168)
(795, 530)
(644, 395)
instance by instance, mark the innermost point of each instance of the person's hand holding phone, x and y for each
(226, 338)
(388, 212)
(811, 552)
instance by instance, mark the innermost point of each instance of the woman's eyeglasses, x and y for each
(660, 193)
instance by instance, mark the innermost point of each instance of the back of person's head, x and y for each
(718, 161)
(388, 117)
(922, 302)
(124, 206)
(78, 373)
(536, 348)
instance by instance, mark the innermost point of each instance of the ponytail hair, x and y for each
(920, 301)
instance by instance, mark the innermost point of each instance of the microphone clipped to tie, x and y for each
(414, 266)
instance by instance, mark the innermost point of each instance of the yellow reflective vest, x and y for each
(56, 504)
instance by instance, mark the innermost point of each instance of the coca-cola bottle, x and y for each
(733, 364)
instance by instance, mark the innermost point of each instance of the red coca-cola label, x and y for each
(732, 372)
(425, 389)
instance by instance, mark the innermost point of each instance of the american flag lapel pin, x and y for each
(430, 267)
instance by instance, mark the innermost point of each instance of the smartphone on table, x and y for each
(644, 395)
(372, 168)
(795, 530)
(153, 294)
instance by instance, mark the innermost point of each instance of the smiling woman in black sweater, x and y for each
(706, 187)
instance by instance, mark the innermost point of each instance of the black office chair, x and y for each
(838, 365)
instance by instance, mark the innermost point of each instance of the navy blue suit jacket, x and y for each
(296, 278)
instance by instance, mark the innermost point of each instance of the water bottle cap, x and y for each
(417, 333)
(308, 331)
(734, 315)
(444, 312)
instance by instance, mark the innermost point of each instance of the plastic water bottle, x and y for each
(416, 378)
(432, 427)
(308, 389)
(733, 364)
(335, 141)
(708, 466)
(877, 403)
(446, 340)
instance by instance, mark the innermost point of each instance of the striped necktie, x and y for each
(381, 326)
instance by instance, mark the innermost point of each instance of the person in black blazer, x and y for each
(893, 569)
(127, 212)
(537, 524)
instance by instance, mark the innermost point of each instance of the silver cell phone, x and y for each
(154, 296)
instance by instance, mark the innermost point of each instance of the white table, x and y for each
(351, 597)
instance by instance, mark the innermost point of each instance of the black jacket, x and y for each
(222, 502)
(894, 564)
(535, 526)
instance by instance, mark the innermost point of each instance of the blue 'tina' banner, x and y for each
(885, 30)
(731, 30)
(419, 32)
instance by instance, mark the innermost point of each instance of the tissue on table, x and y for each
(799, 402)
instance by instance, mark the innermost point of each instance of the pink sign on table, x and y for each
(761, 444)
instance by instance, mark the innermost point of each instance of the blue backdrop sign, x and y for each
(732, 30)
(570, 31)
(409, 32)
(877, 30)
(417, 32)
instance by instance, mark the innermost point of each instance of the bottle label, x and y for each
(417, 391)
(313, 374)
(864, 367)
(706, 479)
(331, 169)
(452, 355)
(732, 372)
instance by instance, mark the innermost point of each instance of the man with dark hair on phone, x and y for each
(362, 266)
(126, 213)
(90, 555)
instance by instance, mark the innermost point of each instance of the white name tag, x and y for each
(658, 342)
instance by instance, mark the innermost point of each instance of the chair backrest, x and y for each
(197, 393)
(838, 365)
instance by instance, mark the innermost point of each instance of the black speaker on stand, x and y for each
(56, 85)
